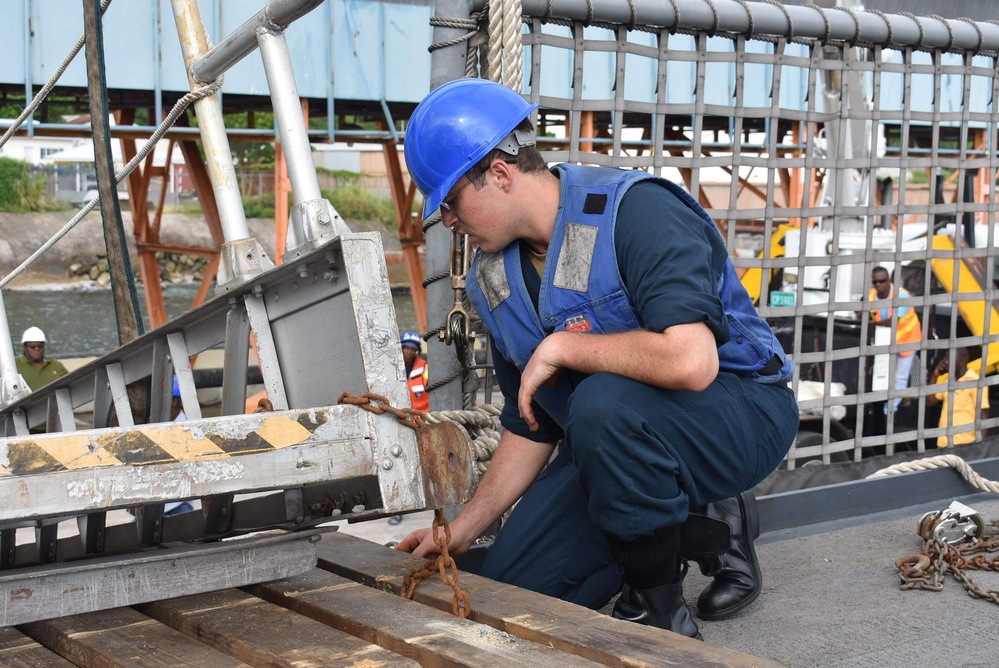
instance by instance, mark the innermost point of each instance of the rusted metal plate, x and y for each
(448, 464)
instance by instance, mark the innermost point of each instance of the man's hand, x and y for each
(541, 370)
(421, 543)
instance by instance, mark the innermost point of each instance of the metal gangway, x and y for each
(340, 442)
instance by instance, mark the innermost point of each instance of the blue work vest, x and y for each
(582, 288)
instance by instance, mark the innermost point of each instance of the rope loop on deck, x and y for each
(940, 461)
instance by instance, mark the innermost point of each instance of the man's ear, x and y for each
(503, 172)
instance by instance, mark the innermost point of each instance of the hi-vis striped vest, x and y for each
(909, 330)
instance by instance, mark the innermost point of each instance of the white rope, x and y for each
(940, 461)
(167, 123)
(49, 85)
(513, 47)
(505, 48)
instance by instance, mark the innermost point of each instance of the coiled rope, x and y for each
(482, 425)
(940, 461)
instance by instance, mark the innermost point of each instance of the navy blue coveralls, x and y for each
(628, 251)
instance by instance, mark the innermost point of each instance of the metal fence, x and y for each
(824, 143)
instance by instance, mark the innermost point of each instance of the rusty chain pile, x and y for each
(442, 563)
(954, 542)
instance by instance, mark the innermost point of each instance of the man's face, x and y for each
(475, 210)
(34, 351)
(881, 283)
(408, 354)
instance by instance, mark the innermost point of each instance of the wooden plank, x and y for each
(524, 614)
(19, 651)
(263, 634)
(432, 637)
(124, 637)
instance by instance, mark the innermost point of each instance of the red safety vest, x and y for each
(419, 376)
(909, 330)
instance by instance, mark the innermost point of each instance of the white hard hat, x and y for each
(33, 335)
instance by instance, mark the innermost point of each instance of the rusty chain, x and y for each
(940, 558)
(410, 417)
(444, 564)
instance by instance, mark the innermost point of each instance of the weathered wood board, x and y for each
(347, 613)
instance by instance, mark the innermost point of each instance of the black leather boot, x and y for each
(662, 606)
(737, 579)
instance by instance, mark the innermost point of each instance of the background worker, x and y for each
(909, 330)
(620, 331)
(417, 373)
(965, 400)
(37, 369)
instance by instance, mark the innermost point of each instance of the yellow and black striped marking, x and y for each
(155, 444)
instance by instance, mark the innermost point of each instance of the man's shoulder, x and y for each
(56, 365)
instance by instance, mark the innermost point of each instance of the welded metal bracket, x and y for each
(46, 592)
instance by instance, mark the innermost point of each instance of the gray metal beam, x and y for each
(34, 594)
(776, 20)
(276, 16)
(447, 63)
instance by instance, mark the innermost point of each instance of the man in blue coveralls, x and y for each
(623, 337)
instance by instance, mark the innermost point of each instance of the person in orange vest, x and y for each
(909, 330)
(417, 373)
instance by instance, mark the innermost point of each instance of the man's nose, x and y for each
(449, 218)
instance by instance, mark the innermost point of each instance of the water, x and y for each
(81, 323)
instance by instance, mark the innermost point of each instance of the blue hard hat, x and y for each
(454, 127)
(176, 387)
(411, 339)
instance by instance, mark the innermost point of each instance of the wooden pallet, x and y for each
(347, 612)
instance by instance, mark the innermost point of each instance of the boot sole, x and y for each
(752, 528)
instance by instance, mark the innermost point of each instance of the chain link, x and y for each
(939, 558)
(410, 417)
(443, 564)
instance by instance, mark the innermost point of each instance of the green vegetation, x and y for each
(357, 203)
(20, 192)
(352, 202)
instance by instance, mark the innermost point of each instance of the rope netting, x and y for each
(823, 148)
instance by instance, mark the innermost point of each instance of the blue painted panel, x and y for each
(378, 50)
(358, 63)
(142, 49)
(408, 35)
(951, 94)
(12, 48)
(55, 31)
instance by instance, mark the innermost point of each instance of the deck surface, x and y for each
(831, 598)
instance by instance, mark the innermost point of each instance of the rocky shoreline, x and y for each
(79, 259)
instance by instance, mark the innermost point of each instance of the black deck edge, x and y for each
(856, 498)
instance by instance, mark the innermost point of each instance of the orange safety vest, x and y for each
(419, 376)
(909, 330)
